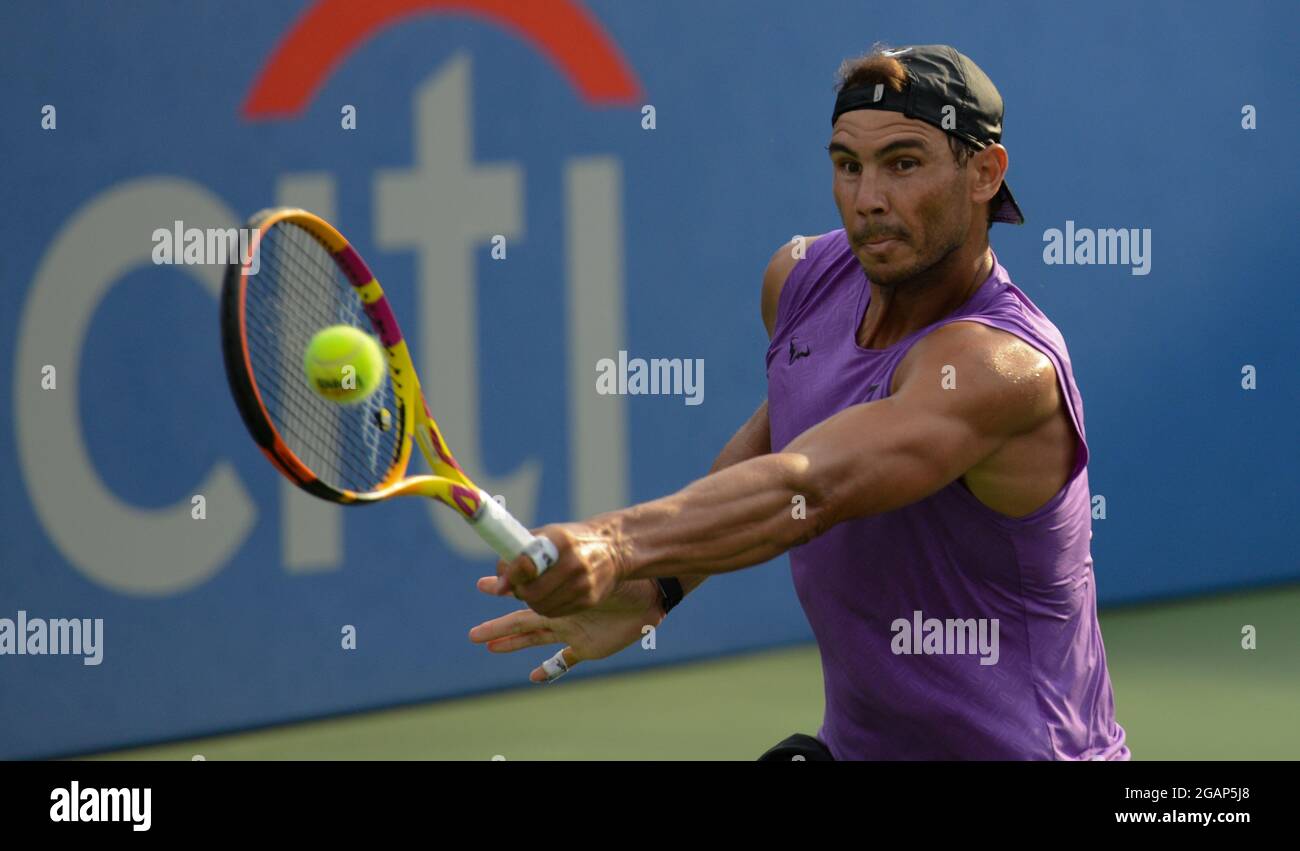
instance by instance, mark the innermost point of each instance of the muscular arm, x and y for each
(867, 459)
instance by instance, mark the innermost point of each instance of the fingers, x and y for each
(493, 585)
(521, 621)
(545, 598)
(511, 643)
(520, 630)
(522, 570)
(513, 574)
(520, 577)
(555, 667)
(569, 598)
(578, 580)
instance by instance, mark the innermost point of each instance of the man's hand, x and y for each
(589, 566)
(617, 622)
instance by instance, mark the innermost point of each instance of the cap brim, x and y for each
(1008, 210)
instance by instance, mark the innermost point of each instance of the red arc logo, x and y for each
(324, 35)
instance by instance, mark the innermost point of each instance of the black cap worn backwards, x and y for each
(948, 90)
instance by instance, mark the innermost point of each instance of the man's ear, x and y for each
(990, 168)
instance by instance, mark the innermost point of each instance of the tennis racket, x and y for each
(307, 278)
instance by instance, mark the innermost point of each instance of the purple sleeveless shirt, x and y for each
(947, 630)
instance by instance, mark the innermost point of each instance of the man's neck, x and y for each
(895, 312)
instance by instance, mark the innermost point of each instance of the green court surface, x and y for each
(1184, 689)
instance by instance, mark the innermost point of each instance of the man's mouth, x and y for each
(881, 243)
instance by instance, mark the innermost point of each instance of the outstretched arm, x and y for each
(867, 459)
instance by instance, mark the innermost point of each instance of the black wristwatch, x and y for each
(670, 592)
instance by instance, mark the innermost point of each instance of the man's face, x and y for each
(905, 204)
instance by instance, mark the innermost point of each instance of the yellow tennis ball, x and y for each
(344, 364)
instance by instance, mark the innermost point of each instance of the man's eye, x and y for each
(850, 167)
(905, 164)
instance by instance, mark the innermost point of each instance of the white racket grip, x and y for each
(508, 537)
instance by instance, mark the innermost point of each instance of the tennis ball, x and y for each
(344, 364)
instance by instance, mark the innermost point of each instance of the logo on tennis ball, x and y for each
(344, 364)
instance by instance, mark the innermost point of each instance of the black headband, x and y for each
(881, 96)
(872, 96)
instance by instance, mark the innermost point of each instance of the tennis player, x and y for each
(920, 455)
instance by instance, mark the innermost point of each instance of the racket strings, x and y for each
(312, 435)
(310, 261)
(321, 439)
(299, 290)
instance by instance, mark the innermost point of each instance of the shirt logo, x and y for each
(796, 352)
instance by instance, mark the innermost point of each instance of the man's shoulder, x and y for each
(997, 367)
(779, 267)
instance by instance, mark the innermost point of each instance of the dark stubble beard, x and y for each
(921, 273)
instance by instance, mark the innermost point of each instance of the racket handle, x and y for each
(508, 537)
